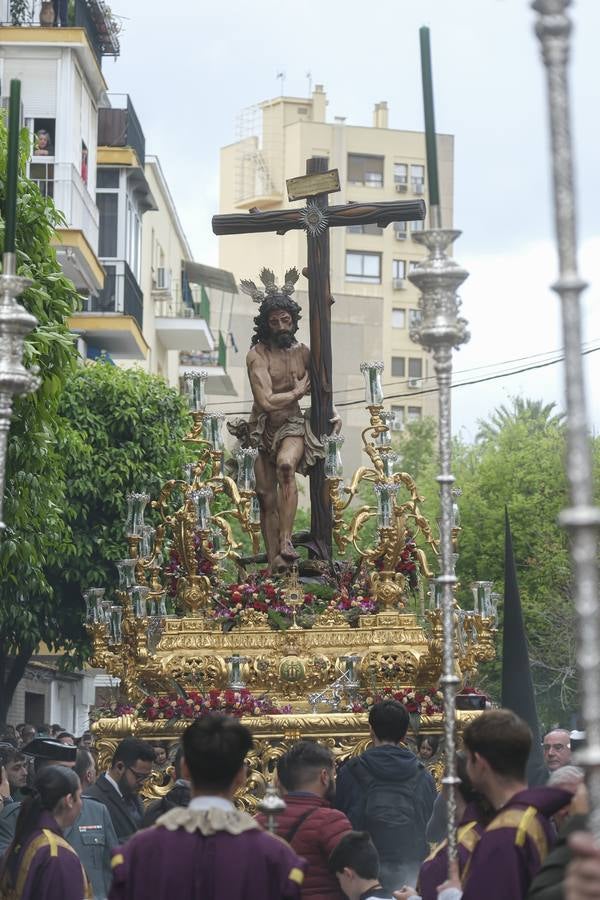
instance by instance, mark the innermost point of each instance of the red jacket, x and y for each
(314, 840)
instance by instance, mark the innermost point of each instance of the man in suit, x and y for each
(92, 835)
(118, 788)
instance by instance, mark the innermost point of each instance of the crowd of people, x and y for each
(372, 827)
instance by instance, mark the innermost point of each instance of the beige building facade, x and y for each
(375, 304)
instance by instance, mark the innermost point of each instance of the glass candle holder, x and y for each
(482, 597)
(189, 471)
(254, 512)
(194, 384)
(385, 503)
(116, 615)
(105, 607)
(246, 458)
(216, 539)
(235, 662)
(351, 674)
(494, 601)
(93, 609)
(139, 594)
(214, 430)
(456, 492)
(436, 591)
(388, 458)
(373, 386)
(201, 500)
(333, 458)
(136, 504)
(126, 570)
(147, 542)
(384, 439)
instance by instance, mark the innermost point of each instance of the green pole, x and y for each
(12, 167)
(430, 141)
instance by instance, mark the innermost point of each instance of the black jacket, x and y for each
(124, 822)
(548, 884)
(387, 763)
(179, 795)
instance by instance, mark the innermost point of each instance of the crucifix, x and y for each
(316, 218)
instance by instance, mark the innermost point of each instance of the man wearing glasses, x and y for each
(118, 788)
(557, 749)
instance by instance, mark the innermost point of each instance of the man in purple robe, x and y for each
(208, 850)
(515, 842)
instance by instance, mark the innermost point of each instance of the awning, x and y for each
(210, 277)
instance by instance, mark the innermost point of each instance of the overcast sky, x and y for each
(191, 67)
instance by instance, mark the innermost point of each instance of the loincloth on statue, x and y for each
(260, 433)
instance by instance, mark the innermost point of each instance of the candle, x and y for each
(12, 166)
(430, 144)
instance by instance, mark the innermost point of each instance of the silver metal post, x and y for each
(440, 330)
(15, 323)
(581, 518)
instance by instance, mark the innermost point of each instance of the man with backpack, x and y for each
(387, 792)
(306, 774)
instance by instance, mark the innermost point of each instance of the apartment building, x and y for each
(375, 304)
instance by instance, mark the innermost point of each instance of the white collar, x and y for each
(208, 802)
(113, 783)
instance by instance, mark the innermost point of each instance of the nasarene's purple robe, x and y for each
(47, 867)
(514, 845)
(208, 854)
(434, 870)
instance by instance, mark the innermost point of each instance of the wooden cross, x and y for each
(316, 218)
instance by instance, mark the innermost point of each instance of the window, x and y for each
(398, 420)
(363, 267)
(107, 178)
(371, 228)
(84, 162)
(415, 368)
(417, 225)
(417, 179)
(414, 414)
(43, 175)
(400, 230)
(398, 268)
(365, 170)
(108, 208)
(398, 366)
(398, 318)
(44, 134)
(414, 317)
(400, 173)
(413, 265)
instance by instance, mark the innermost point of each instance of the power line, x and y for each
(433, 390)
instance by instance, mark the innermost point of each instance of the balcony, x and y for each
(180, 325)
(93, 16)
(119, 126)
(113, 321)
(76, 243)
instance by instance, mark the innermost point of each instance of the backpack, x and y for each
(389, 814)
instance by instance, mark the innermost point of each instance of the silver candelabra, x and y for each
(581, 518)
(15, 323)
(441, 330)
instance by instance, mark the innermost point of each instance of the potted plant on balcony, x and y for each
(19, 11)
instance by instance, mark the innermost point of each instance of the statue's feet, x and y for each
(286, 550)
(280, 566)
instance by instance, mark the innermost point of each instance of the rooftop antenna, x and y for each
(309, 77)
(281, 75)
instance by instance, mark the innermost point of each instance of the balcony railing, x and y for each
(119, 126)
(63, 182)
(121, 293)
(93, 16)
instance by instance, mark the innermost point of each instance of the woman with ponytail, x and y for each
(40, 864)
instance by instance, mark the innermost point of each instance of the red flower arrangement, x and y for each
(425, 703)
(196, 705)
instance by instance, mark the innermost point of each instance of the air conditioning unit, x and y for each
(398, 284)
(418, 187)
(188, 312)
(401, 187)
(162, 279)
(415, 383)
(400, 235)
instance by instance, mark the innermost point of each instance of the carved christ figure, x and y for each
(278, 367)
